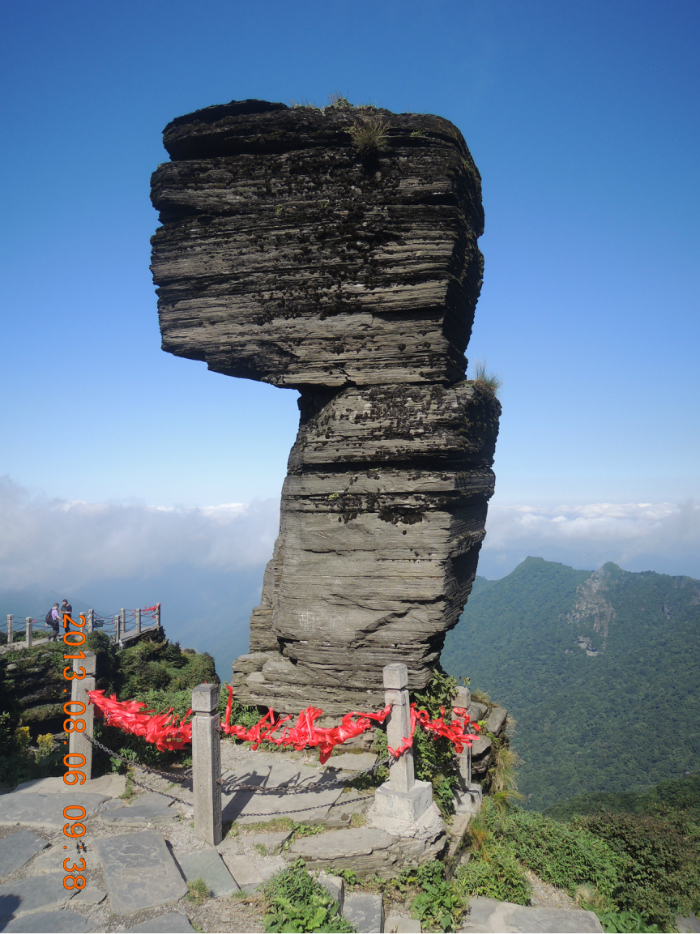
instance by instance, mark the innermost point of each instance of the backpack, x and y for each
(49, 619)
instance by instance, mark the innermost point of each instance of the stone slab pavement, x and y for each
(402, 924)
(207, 865)
(26, 895)
(171, 923)
(139, 871)
(110, 785)
(288, 779)
(247, 877)
(269, 844)
(44, 810)
(61, 922)
(365, 911)
(351, 761)
(147, 809)
(488, 916)
(18, 849)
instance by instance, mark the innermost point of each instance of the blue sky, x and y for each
(583, 120)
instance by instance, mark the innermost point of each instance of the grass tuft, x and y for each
(484, 378)
(369, 136)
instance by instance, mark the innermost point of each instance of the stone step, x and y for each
(365, 911)
(139, 871)
(489, 916)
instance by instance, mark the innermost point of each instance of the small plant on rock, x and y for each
(197, 891)
(369, 137)
(45, 746)
(297, 902)
(488, 380)
(439, 904)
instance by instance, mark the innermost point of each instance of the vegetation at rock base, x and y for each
(439, 904)
(599, 670)
(636, 871)
(297, 902)
(32, 693)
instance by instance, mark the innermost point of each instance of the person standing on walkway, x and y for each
(54, 620)
(66, 610)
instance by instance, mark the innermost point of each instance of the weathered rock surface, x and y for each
(488, 915)
(288, 256)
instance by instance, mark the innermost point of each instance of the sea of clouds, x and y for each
(663, 537)
(51, 543)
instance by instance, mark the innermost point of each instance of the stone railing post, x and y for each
(463, 698)
(28, 630)
(402, 796)
(157, 615)
(123, 623)
(138, 621)
(206, 764)
(90, 620)
(10, 629)
(77, 742)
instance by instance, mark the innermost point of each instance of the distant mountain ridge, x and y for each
(599, 669)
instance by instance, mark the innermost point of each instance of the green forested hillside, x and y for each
(600, 670)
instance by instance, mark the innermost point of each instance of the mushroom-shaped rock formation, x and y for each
(335, 252)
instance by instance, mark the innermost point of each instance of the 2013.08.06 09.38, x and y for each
(74, 813)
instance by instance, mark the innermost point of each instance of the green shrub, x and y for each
(297, 902)
(561, 855)
(660, 859)
(8, 741)
(434, 756)
(625, 922)
(496, 873)
(440, 904)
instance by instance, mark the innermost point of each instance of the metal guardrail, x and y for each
(120, 627)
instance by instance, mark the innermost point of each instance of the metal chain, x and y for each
(302, 789)
(110, 752)
(313, 807)
(242, 786)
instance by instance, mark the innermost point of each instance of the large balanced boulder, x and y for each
(335, 252)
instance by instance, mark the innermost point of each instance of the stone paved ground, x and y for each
(132, 843)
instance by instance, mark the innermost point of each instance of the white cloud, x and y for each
(60, 543)
(57, 543)
(637, 536)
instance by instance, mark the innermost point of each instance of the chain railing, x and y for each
(233, 787)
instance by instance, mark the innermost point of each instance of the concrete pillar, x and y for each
(463, 698)
(122, 627)
(158, 615)
(77, 742)
(402, 796)
(138, 621)
(206, 764)
(90, 620)
(28, 630)
(10, 629)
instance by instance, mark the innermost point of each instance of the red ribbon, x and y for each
(167, 733)
(305, 732)
(455, 732)
(132, 716)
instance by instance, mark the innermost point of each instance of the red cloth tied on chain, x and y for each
(304, 733)
(167, 734)
(162, 730)
(455, 732)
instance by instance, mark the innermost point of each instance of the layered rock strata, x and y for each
(295, 253)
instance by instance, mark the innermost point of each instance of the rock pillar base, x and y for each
(404, 805)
